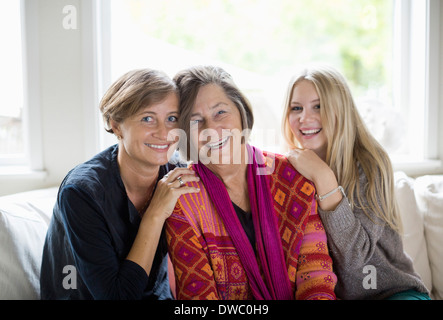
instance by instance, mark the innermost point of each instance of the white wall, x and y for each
(67, 114)
(440, 120)
(66, 78)
(61, 91)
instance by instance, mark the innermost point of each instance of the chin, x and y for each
(158, 160)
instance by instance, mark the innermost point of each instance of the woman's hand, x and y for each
(169, 189)
(309, 164)
(313, 168)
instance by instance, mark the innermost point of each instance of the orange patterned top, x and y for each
(206, 263)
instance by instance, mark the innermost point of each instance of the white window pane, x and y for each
(11, 82)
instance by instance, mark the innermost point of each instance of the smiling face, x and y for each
(305, 119)
(144, 136)
(216, 127)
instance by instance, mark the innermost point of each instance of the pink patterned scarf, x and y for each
(275, 285)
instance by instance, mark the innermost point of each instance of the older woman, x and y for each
(252, 232)
(109, 215)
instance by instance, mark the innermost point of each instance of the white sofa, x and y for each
(24, 218)
(421, 206)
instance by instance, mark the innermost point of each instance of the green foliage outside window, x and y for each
(268, 36)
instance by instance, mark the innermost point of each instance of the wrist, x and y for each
(330, 193)
(154, 217)
(325, 181)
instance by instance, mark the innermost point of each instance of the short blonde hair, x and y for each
(133, 91)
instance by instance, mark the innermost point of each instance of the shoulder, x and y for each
(196, 210)
(195, 203)
(282, 171)
(272, 156)
(93, 177)
(371, 172)
(292, 193)
(276, 161)
(365, 181)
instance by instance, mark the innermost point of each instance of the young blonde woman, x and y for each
(353, 176)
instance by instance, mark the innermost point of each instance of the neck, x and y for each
(137, 177)
(231, 173)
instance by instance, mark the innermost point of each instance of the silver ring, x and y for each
(181, 181)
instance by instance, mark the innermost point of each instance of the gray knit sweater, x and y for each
(368, 257)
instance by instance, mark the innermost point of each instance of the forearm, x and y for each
(325, 181)
(348, 238)
(146, 242)
(315, 276)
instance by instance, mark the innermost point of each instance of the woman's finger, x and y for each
(186, 189)
(172, 175)
(183, 180)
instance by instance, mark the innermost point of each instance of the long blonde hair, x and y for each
(349, 144)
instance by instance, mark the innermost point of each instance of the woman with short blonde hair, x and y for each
(110, 211)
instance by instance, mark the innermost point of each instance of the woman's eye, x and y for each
(172, 119)
(220, 113)
(296, 108)
(195, 121)
(147, 119)
(317, 107)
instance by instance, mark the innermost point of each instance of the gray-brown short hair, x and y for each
(190, 80)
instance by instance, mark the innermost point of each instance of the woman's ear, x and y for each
(115, 126)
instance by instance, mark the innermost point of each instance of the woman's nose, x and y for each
(208, 131)
(161, 132)
(305, 116)
(208, 125)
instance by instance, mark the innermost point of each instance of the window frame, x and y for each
(20, 159)
(96, 16)
(411, 16)
(31, 62)
(406, 54)
(31, 163)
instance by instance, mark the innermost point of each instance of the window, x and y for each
(12, 138)
(381, 47)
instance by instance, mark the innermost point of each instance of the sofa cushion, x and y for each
(24, 219)
(414, 241)
(429, 194)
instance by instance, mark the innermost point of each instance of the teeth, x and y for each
(217, 144)
(311, 131)
(156, 146)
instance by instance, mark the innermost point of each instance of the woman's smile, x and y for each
(219, 144)
(158, 147)
(310, 133)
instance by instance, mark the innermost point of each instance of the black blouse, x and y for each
(247, 223)
(92, 230)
